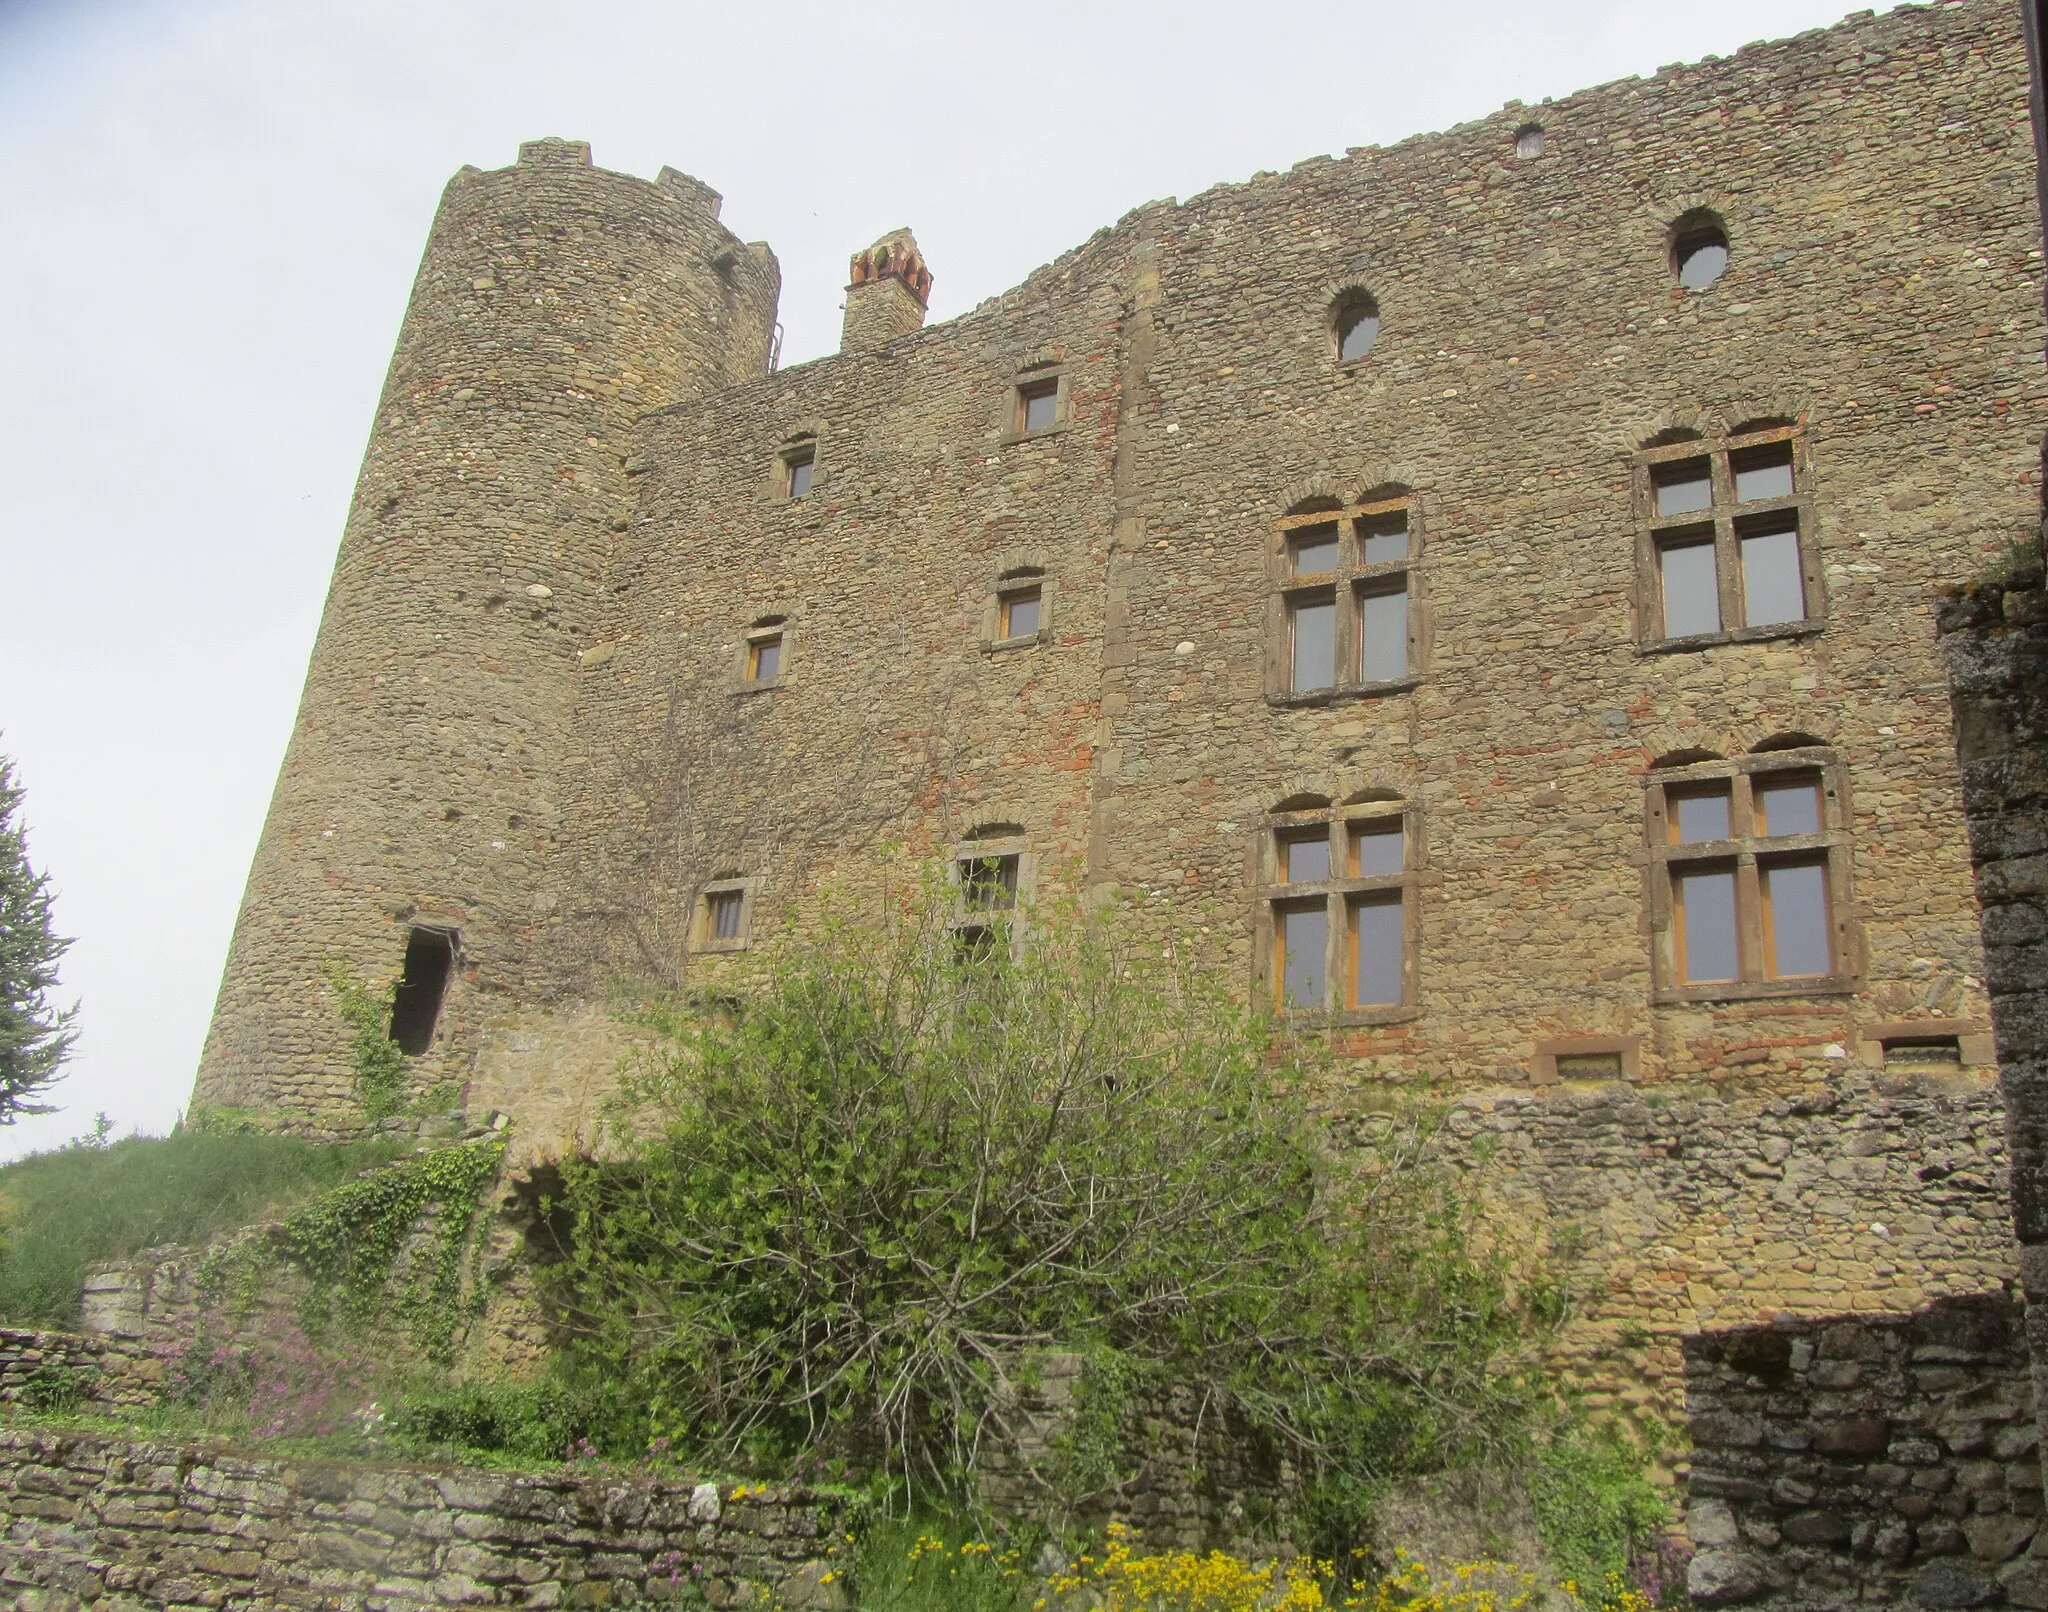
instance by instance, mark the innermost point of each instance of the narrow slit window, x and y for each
(1796, 923)
(1383, 633)
(1038, 405)
(1312, 649)
(1378, 951)
(1773, 588)
(1705, 910)
(1313, 550)
(1303, 935)
(1020, 613)
(1690, 585)
(422, 987)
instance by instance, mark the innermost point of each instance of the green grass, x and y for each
(62, 1211)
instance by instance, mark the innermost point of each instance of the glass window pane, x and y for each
(1788, 806)
(800, 475)
(1698, 814)
(1315, 645)
(1692, 595)
(1304, 858)
(1683, 487)
(1377, 944)
(767, 659)
(1796, 918)
(1303, 934)
(725, 915)
(989, 882)
(1383, 538)
(1041, 407)
(1020, 615)
(1383, 635)
(1772, 588)
(1763, 473)
(1706, 924)
(1314, 549)
(1377, 849)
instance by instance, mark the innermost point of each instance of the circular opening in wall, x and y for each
(1356, 318)
(1699, 251)
(1529, 141)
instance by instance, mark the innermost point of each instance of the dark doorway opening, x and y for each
(416, 1009)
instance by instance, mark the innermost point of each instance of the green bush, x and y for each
(1595, 1509)
(831, 1221)
(62, 1211)
(527, 1422)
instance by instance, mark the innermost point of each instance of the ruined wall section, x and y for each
(555, 304)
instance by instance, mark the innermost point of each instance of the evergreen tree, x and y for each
(34, 1036)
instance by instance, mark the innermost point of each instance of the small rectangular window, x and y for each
(1923, 1052)
(1305, 858)
(1377, 850)
(1773, 588)
(1683, 487)
(722, 913)
(1699, 815)
(1796, 927)
(1383, 633)
(1020, 613)
(989, 883)
(1588, 1065)
(1761, 473)
(1705, 911)
(1303, 934)
(1788, 806)
(1690, 584)
(1038, 405)
(1312, 649)
(416, 1008)
(1378, 951)
(801, 464)
(1313, 550)
(1383, 539)
(974, 944)
(764, 659)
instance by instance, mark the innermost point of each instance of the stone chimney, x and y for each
(886, 294)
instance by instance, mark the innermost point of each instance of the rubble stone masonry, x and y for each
(533, 717)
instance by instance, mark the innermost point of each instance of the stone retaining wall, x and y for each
(86, 1518)
(1866, 1459)
(49, 1370)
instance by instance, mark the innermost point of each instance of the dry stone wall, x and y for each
(1866, 1460)
(89, 1520)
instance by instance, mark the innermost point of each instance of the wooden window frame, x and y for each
(1726, 517)
(1338, 893)
(702, 939)
(1747, 853)
(1008, 919)
(772, 629)
(1347, 585)
(792, 453)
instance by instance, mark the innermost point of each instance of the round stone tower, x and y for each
(414, 821)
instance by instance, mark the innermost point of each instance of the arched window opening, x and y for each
(1355, 317)
(422, 987)
(1529, 141)
(1699, 250)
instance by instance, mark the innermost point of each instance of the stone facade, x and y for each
(1866, 1460)
(538, 716)
(87, 1519)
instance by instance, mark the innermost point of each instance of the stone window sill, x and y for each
(1352, 1018)
(766, 686)
(1750, 991)
(1004, 646)
(1346, 691)
(1010, 438)
(1812, 627)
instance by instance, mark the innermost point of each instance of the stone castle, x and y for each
(1475, 594)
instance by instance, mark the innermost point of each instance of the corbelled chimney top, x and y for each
(894, 257)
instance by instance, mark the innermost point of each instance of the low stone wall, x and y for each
(50, 1370)
(1875, 1459)
(92, 1519)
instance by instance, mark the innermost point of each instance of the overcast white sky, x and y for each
(211, 211)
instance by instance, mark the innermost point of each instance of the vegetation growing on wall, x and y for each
(829, 1224)
(63, 1211)
(375, 1061)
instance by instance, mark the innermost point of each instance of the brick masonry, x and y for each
(88, 1519)
(527, 719)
